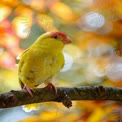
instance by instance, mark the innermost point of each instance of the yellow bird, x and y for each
(42, 61)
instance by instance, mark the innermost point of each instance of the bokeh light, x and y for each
(93, 58)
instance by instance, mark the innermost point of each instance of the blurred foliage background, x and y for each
(94, 57)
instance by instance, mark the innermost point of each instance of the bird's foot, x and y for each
(29, 90)
(51, 87)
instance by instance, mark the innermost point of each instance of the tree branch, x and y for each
(64, 95)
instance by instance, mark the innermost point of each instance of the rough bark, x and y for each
(64, 95)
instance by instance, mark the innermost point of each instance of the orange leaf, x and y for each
(63, 11)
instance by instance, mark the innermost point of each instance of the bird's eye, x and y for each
(55, 37)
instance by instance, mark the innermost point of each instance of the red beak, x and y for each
(67, 41)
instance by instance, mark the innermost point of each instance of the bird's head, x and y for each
(61, 37)
(53, 40)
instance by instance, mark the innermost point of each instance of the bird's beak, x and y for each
(67, 41)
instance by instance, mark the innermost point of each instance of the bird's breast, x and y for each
(38, 67)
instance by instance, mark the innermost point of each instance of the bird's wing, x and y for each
(21, 54)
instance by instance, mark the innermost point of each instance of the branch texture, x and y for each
(64, 95)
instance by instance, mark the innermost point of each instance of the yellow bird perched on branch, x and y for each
(42, 61)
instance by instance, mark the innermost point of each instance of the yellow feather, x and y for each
(41, 61)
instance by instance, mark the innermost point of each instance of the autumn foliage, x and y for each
(96, 30)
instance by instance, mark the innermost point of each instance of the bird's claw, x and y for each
(29, 90)
(51, 87)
